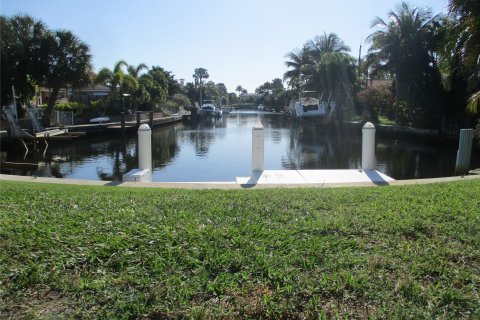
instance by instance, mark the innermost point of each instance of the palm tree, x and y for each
(327, 43)
(117, 80)
(198, 76)
(466, 46)
(297, 59)
(69, 64)
(134, 72)
(403, 46)
(241, 90)
(326, 63)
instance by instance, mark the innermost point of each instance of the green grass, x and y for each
(409, 252)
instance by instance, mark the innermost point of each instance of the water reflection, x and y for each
(204, 133)
(220, 150)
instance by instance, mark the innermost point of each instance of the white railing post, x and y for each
(368, 146)
(258, 139)
(464, 152)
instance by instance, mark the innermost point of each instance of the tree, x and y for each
(296, 60)
(466, 46)
(323, 65)
(211, 91)
(154, 87)
(23, 56)
(232, 98)
(190, 90)
(69, 63)
(326, 43)
(273, 95)
(117, 80)
(198, 76)
(241, 90)
(223, 93)
(138, 94)
(328, 68)
(405, 46)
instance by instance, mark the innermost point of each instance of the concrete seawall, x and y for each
(105, 127)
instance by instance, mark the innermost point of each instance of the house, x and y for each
(83, 95)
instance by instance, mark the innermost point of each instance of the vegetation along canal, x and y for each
(220, 150)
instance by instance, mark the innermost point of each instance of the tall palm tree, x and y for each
(295, 62)
(240, 90)
(198, 76)
(403, 46)
(466, 46)
(134, 72)
(327, 43)
(327, 61)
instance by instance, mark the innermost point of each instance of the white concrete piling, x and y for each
(464, 152)
(144, 173)
(145, 147)
(368, 146)
(258, 149)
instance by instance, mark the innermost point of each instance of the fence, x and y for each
(62, 118)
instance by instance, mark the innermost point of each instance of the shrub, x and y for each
(376, 101)
(400, 109)
(97, 107)
(76, 107)
(170, 106)
(181, 100)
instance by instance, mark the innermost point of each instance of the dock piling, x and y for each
(138, 119)
(144, 172)
(368, 146)
(464, 152)
(151, 119)
(145, 148)
(123, 123)
(258, 153)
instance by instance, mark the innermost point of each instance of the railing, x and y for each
(62, 118)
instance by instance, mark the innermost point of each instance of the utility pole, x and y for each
(359, 60)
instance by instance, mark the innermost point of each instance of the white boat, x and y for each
(100, 120)
(208, 108)
(309, 106)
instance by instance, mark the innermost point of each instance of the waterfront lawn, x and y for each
(406, 252)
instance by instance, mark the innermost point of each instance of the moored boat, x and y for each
(208, 108)
(309, 105)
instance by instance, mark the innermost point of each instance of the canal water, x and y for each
(220, 150)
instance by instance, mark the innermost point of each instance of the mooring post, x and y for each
(138, 119)
(151, 119)
(258, 138)
(145, 148)
(368, 146)
(464, 152)
(123, 122)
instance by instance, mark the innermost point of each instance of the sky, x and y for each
(238, 42)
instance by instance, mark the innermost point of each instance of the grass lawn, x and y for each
(405, 252)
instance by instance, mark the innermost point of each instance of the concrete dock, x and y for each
(316, 177)
(221, 185)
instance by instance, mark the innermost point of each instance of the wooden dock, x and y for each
(316, 177)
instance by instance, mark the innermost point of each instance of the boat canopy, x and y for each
(307, 101)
